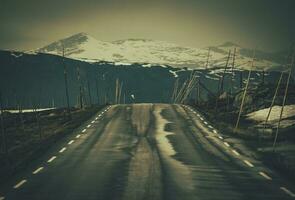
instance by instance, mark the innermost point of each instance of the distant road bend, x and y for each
(146, 152)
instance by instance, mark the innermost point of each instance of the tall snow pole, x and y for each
(208, 57)
(223, 74)
(232, 71)
(244, 95)
(284, 101)
(66, 84)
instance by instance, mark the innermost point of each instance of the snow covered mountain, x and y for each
(84, 47)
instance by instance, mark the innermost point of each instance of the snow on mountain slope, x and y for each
(84, 47)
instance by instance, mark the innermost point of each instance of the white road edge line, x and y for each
(226, 144)
(38, 170)
(71, 142)
(62, 150)
(83, 130)
(287, 191)
(19, 184)
(235, 152)
(248, 163)
(51, 159)
(265, 175)
(78, 136)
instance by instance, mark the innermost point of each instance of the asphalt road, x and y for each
(146, 151)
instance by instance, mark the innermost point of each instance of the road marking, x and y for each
(38, 170)
(220, 137)
(83, 130)
(226, 144)
(210, 126)
(198, 115)
(51, 159)
(96, 118)
(214, 131)
(205, 122)
(92, 122)
(248, 163)
(287, 191)
(71, 142)
(78, 136)
(265, 175)
(201, 118)
(20, 184)
(99, 115)
(88, 126)
(62, 150)
(235, 152)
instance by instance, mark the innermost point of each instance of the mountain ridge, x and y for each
(83, 46)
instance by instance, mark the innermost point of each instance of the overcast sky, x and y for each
(265, 24)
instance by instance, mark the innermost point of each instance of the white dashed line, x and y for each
(71, 142)
(92, 122)
(89, 125)
(96, 118)
(201, 118)
(214, 131)
(38, 170)
(205, 122)
(62, 150)
(78, 136)
(220, 137)
(51, 159)
(226, 144)
(20, 184)
(248, 163)
(99, 115)
(235, 152)
(287, 191)
(210, 126)
(265, 175)
(83, 130)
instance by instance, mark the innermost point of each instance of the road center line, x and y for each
(92, 122)
(62, 150)
(287, 191)
(205, 122)
(51, 159)
(83, 130)
(248, 163)
(38, 170)
(220, 137)
(214, 131)
(96, 118)
(88, 126)
(78, 136)
(71, 142)
(235, 152)
(226, 144)
(19, 184)
(210, 126)
(265, 175)
(201, 118)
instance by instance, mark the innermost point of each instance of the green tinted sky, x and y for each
(267, 24)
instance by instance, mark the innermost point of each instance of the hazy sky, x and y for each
(267, 24)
